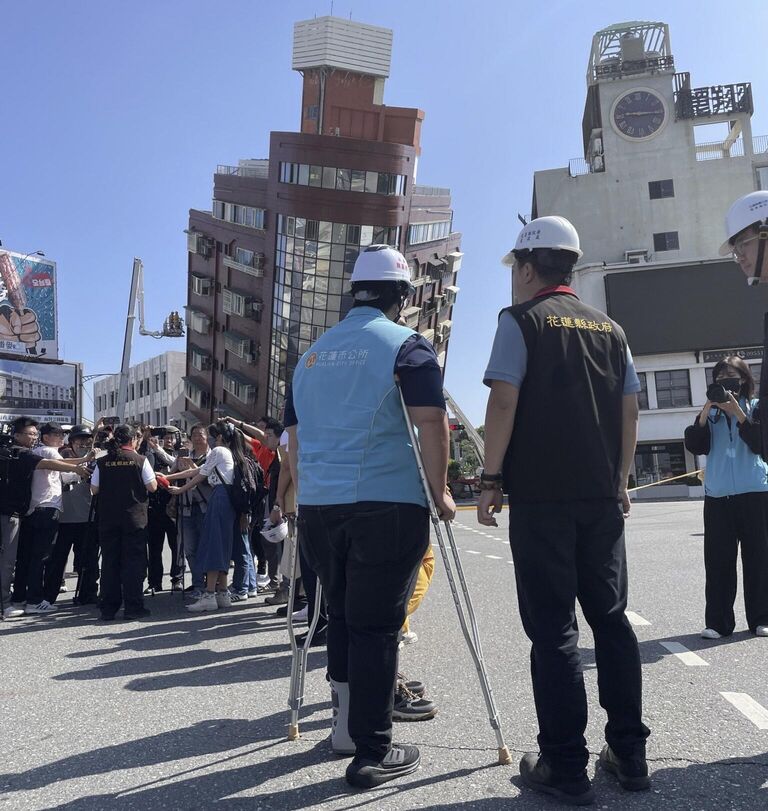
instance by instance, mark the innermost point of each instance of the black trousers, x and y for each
(267, 554)
(564, 551)
(728, 522)
(159, 525)
(36, 540)
(309, 581)
(83, 538)
(123, 563)
(367, 557)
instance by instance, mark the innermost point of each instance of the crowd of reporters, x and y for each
(115, 495)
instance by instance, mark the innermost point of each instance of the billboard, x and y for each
(28, 323)
(47, 392)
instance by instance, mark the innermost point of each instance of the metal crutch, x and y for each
(470, 631)
(299, 656)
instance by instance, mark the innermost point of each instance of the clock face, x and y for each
(639, 114)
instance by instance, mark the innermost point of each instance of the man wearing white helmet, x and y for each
(362, 510)
(746, 227)
(560, 434)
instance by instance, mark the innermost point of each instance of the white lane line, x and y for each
(494, 557)
(636, 619)
(747, 706)
(471, 552)
(686, 656)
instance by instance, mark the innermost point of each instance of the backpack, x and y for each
(247, 491)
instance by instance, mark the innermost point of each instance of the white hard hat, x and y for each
(555, 233)
(381, 263)
(748, 210)
(275, 533)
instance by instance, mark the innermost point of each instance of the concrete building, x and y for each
(269, 264)
(155, 391)
(662, 162)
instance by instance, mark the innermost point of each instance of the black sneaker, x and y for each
(416, 687)
(537, 775)
(632, 773)
(136, 614)
(401, 759)
(410, 707)
(299, 605)
(280, 597)
(106, 617)
(150, 591)
(318, 640)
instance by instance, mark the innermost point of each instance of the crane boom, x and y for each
(475, 438)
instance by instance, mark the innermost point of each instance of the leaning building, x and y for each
(663, 160)
(270, 262)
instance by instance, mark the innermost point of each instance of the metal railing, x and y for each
(251, 270)
(760, 144)
(579, 166)
(716, 150)
(243, 171)
(432, 191)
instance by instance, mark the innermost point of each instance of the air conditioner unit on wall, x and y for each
(636, 257)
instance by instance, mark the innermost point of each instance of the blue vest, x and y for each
(353, 440)
(732, 468)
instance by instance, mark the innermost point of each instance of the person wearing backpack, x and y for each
(232, 473)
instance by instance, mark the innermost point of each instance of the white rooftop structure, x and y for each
(330, 42)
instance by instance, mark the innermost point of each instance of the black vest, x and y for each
(122, 493)
(566, 443)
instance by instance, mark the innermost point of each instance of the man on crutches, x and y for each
(363, 514)
(560, 434)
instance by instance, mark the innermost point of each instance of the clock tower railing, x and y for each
(715, 100)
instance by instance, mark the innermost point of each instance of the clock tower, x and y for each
(662, 162)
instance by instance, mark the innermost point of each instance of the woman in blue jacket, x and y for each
(735, 503)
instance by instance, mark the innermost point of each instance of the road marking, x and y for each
(472, 552)
(636, 619)
(493, 557)
(686, 656)
(747, 706)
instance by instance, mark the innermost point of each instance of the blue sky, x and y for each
(116, 115)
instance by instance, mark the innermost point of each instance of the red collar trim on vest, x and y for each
(558, 288)
(127, 447)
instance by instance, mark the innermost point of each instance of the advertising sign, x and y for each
(47, 392)
(28, 324)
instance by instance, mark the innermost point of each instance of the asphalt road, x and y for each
(189, 712)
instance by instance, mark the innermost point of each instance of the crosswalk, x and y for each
(747, 706)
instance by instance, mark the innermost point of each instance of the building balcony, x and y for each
(256, 269)
(431, 191)
(254, 169)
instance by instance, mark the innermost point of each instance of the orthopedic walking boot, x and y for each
(341, 743)
(632, 773)
(538, 775)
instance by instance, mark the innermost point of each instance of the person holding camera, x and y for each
(17, 467)
(728, 432)
(229, 455)
(160, 446)
(76, 529)
(123, 480)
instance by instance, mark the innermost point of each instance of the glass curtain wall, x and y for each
(313, 264)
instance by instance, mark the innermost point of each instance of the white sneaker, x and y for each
(223, 599)
(302, 615)
(41, 608)
(262, 580)
(761, 630)
(207, 602)
(63, 588)
(711, 633)
(13, 611)
(253, 593)
(410, 637)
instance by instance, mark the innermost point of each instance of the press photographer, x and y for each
(17, 466)
(161, 446)
(728, 432)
